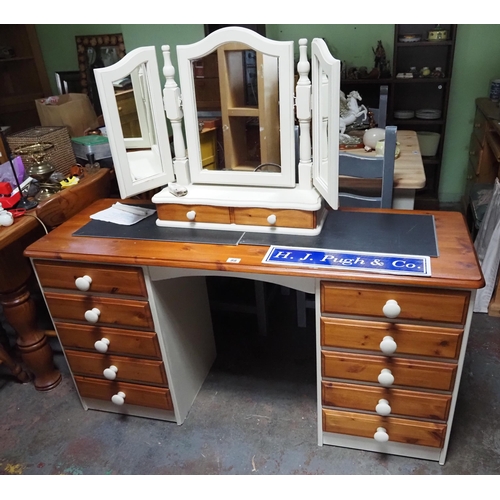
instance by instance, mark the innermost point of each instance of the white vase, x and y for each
(372, 136)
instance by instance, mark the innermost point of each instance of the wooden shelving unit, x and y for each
(23, 77)
(251, 131)
(416, 93)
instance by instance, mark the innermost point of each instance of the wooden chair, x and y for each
(361, 167)
(370, 167)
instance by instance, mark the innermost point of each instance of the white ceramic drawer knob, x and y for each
(381, 435)
(191, 215)
(92, 315)
(386, 378)
(102, 345)
(272, 219)
(110, 373)
(118, 398)
(388, 345)
(391, 309)
(83, 283)
(383, 407)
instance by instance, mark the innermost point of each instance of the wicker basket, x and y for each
(61, 155)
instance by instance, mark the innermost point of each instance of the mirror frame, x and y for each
(187, 54)
(325, 121)
(160, 158)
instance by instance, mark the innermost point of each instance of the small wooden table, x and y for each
(18, 306)
(409, 173)
(16, 273)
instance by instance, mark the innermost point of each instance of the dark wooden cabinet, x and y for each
(23, 77)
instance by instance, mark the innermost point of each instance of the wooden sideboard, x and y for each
(484, 147)
(133, 318)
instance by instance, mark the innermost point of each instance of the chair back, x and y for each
(370, 167)
(380, 113)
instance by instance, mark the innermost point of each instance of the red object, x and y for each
(7, 199)
(17, 212)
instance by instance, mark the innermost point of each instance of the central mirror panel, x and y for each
(238, 109)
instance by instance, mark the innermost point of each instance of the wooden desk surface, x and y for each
(409, 170)
(456, 267)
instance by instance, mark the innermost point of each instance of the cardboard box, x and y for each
(73, 111)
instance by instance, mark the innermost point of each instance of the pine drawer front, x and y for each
(399, 429)
(135, 394)
(127, 369)
(103, 279)
(193, 213)
(410, 339)
(282, 218)
(423, 304)
(406, 372)
(119, 341)
(119, 312)
(431, 406)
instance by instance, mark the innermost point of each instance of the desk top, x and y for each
(456, 267)
(409, 170)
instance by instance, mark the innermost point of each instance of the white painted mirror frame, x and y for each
(325, 121)
(152, 167)
(186, 54)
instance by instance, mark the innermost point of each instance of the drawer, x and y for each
(120, 312)
(404, 403)
(115, 280)
(140, 395)
(129, 369)
(284, 218)
(406, 372)
(410, 339)
(399, 429)
(120, 341)
(425, 304)
(200, 213)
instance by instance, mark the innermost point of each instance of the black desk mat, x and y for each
(408, 234)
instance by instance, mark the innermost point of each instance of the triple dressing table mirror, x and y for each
(256, 183)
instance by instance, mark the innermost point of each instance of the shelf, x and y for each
(367, 81)
(421, 80)
(17, 59)
(243, 111)
(416, 121)
(425, 43)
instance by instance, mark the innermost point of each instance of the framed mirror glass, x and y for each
(135, 121)
(249, 138)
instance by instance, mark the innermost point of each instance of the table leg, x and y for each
(15, 368)
(19, 310)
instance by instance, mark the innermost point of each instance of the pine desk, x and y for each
(134, 321)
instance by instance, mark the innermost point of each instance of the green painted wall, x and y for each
(477, 61)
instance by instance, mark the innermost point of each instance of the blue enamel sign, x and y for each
(355, 261)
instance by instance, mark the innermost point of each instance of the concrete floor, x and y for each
(255, 415)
